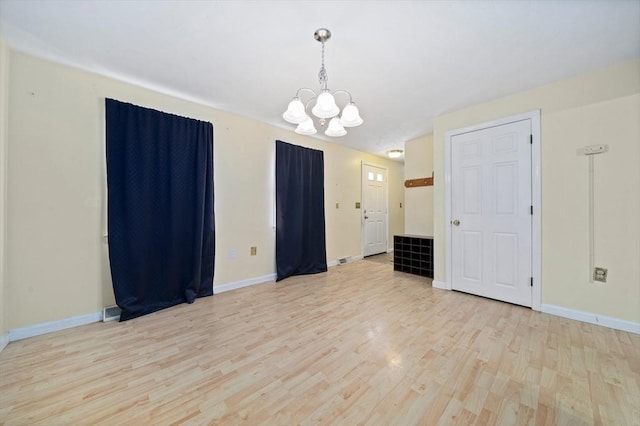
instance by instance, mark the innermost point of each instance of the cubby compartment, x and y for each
(413, 254)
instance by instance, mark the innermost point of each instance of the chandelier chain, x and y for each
(322, 75)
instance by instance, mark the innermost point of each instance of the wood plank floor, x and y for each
(360, 344)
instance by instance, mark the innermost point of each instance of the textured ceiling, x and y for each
(404, 62)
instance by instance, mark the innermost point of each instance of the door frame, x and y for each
(536, 247)
(386, 203)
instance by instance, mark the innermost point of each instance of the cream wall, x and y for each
(565, 253)
(600, 107)
(418, 163)
(56, 254)
(4, 107)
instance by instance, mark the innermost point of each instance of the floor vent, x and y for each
(344, 260)
(111, 313)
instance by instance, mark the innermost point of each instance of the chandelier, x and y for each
(325, 107)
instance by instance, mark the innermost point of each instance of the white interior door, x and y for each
(491, 222)
(374, 209)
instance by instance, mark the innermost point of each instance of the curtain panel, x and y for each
(160, 208)
(300, 220)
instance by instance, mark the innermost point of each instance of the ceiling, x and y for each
(404, 62)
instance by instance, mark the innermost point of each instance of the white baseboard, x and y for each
(439, 284)
(4, 341)
(266, 278)
(243, 283)
(51, 326)
(591, 318)
(351, 260)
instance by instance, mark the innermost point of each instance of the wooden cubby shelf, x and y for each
(413, 254)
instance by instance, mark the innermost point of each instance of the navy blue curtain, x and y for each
(160, 208)
(300, 227)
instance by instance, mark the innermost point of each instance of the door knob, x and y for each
(366, 217)
(455, 222)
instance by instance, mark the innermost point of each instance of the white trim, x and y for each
(390, 250)
(440, 284)
(4, 341)
(591, 318)
(4, 142)
(536, 199)
(265, 278)
(386, 202)
(243, 283)
(536, 245)
(337, 263)
(51, 326)
(446, 284)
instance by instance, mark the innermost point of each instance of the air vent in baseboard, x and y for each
(344, 260)
(111, 313)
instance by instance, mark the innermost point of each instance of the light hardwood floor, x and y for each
(360, 344)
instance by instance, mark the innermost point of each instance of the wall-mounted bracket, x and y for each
(412, 183)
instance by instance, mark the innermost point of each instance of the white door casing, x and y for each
(491, 241)
(374, 209)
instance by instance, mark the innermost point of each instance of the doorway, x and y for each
(374, 209)
(493, 217)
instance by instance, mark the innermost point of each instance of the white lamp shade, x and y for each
(325, 106)
(306, 127)
(335, 129)
(295, 112)
(351, 116)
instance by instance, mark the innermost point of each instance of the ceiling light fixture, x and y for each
(325, 107)
(395, 153)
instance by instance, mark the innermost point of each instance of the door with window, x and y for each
(374, 209)
(491, 221)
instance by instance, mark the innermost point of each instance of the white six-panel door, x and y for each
(374, 209)
(491, 222)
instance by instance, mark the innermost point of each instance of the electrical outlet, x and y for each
(593, 149)
(232, 254)
(254, 251)
(600, 274)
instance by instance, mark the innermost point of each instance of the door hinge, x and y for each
(531, 281)
(531, 210)
(531, 139)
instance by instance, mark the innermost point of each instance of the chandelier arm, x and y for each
(306, 105)
(344, 91)
(315, 95)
